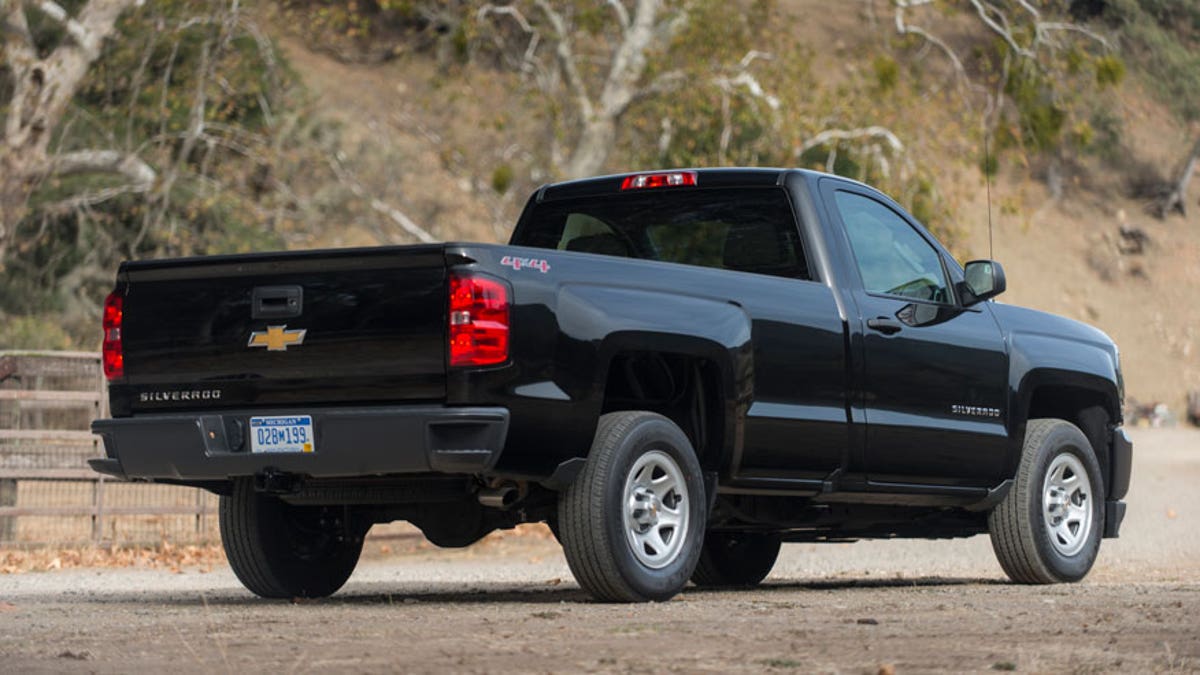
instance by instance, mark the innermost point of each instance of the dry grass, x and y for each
(164, 555)
(395, 539)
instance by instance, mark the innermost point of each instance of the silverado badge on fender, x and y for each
(276, 338)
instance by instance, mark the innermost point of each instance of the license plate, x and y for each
(282, 434)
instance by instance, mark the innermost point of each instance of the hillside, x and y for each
(204, 128)
(431, 144)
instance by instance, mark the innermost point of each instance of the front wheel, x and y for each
(282, 551)
(632, 523)
(1048, 527)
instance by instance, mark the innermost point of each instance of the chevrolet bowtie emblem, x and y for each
(276, 338)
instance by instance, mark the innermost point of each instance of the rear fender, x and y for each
(618, 320)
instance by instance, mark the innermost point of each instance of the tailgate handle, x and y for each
(277, 302)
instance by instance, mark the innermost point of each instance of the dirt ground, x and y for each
(509, 604)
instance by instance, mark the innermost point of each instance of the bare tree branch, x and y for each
(729, 85)
(622, 14)
(66, 66)
(15, 24)
(566, 59)
(629, 61)
(999, 25)
(507, 10)
(663, 84)
(905, 28)
(1176, 198)
(1037, 16)
(754, 55)
(82, 36)
(752, 86)
(91, 198)
(397, 216)
(834, 135)
(1046, 27)
(105, 161)
(41, 90)
(20, 55)
(642, 29)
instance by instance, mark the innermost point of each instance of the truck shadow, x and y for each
(408, 593)
(789, 585)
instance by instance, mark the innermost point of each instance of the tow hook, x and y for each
(275, 482)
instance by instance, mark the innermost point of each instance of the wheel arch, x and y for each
(1089, 401)
(700, 384)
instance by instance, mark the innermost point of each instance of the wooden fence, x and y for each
(48, 494)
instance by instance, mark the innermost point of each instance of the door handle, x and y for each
(884, 325)
(276, 302)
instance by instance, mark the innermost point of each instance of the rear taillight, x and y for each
(113, 353)
(478, 330)
(640, 181)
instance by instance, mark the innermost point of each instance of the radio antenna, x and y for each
(987, 176)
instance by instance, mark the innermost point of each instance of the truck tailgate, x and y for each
(356, 325)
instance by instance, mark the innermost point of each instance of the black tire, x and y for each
(598, 530)
(736, 558)
(1031, 548)
(282, 551)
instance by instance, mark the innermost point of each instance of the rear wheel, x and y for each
(736, 558)
(632, 523)
(1048, 527)
(282, 551)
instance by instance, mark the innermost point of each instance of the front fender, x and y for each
(1041, 360)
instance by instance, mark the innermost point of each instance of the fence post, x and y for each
(8, 497)
(98, 503)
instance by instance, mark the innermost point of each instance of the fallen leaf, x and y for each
(7, 607)
(887, 669)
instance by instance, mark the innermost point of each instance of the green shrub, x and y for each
(1110, 70)
(887, 72)
(34, 332)
(502, 178)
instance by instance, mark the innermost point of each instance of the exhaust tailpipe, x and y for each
(500, 497)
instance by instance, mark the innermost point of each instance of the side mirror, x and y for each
(984, 280)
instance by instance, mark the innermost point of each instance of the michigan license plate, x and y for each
(282, 434)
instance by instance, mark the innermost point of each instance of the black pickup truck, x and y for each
(677, 371)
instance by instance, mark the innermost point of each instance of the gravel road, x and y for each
(510, 605)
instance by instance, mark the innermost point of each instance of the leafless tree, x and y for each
(642, 30)
(1029, 35)
(875, 143)
(1175, 198)
(42, 88)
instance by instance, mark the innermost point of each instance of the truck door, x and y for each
(935, 373)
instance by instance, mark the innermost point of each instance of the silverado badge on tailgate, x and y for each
(276, 338)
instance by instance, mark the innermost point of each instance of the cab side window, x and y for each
(892, 257)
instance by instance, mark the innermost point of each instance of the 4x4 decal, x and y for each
(518, 264)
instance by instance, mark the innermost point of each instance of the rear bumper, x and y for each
(349, 442)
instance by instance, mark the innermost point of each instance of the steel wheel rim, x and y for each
(1067, 504)
(656, 509)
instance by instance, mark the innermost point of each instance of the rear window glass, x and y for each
(744, 229)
